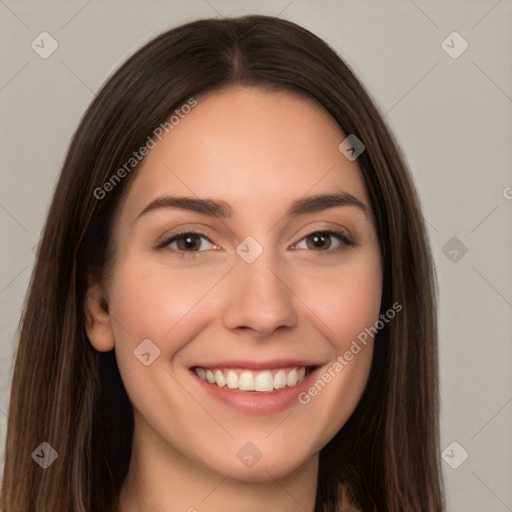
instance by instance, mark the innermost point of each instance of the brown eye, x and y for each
(318, 241)
(324, 241)
(189, 242)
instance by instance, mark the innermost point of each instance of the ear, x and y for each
(97, 320)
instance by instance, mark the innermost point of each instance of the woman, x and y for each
(233, 305)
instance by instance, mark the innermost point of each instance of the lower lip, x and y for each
(257, 402)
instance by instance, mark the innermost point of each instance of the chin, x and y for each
(248, 464)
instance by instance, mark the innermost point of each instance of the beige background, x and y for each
(452, 118)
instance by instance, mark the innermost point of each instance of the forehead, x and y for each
(250, 147)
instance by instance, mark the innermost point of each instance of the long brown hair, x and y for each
(66, 393)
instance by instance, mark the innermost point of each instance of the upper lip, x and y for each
(258, 365)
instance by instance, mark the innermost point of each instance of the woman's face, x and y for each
(224, 270)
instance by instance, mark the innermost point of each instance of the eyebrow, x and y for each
(222, 209)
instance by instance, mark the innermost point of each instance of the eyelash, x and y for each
(343, 238)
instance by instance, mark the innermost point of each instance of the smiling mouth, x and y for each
(250, 381)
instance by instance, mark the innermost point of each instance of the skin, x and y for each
(258, 151)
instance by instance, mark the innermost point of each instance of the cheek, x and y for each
(152, 302)
(346, 299)
(347, 303)
(357, 306)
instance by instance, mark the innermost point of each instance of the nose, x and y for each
(258, 298)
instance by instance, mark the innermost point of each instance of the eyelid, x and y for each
(342, 233)
(166, 238)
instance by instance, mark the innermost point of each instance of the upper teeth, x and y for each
(247, 380)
